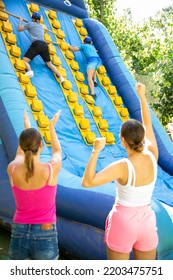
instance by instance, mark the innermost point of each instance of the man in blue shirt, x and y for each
(93, 61)
(38, 45)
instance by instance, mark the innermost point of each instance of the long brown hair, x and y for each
(133, 133)
(29, 141)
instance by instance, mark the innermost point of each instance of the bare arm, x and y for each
(56, 147)
(146, 120)
(73, 48)
(108, 174)
(27, 123)
(20, 27)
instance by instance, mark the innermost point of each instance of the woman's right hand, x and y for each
(21, 20)
(55, 118)
(99, 144)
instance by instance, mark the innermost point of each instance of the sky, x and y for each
(142, 9)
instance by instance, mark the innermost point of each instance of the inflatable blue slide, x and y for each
(81, 213)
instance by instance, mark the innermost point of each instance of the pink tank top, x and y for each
(35, 206)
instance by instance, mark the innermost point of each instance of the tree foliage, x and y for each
(102, 10)
(146, 48)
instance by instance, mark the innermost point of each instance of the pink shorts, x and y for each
(131, 227)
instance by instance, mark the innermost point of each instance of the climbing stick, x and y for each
(15, 16)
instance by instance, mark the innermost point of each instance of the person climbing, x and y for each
(93, 61)
(38, 45)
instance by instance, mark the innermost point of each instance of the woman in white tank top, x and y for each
(131, 224)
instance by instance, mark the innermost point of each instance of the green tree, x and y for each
(163, 76)
(146, 48)
(102, 10)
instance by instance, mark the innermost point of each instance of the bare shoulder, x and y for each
(121, 170)
(56, 161)
(11, 165)
(118, 164)
(152, 148)
(119, 167)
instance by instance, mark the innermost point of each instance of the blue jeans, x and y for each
(29, 241)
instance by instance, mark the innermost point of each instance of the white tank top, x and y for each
(129, 195)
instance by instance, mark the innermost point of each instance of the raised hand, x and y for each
(141, 89)
(27, 123)
(55, 118)
(21, 20)
(99, 143)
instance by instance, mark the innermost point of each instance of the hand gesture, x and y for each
(55, 118)
(21, 20)
(99, 143)
(27, 123)
(141, 89)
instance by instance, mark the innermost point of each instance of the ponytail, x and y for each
(29, 164)
(30, 140)
(138, 147)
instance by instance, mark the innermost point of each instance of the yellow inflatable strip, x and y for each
(104, 79)
(112, 93)
(34, 8)
(72, 101)
(70, 96)
(103, 129)
(2, 5)
(101, 124)
(28, 89)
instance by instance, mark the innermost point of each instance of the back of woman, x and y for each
(138, 181)
(144, 167)
(34, 233)
(131, 224)
(42, 176)
(35, 199)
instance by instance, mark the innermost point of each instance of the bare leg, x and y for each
(27, 60)
(141, 255)
(90, 75)
(112, 255)
(94, 76)
(53, 68)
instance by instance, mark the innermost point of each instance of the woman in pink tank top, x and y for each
(34, 184)
(131, 224)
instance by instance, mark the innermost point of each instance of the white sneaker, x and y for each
(62, 80)
(29, 74)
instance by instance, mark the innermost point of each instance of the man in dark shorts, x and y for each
(38, 45)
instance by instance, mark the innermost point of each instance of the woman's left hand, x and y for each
(27, 123)
(55, 119)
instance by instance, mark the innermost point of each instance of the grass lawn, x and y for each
(4, 243)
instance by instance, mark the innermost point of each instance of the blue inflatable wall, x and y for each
(81, 213)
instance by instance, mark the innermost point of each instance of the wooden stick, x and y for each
(50, 31)
(13, 15)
